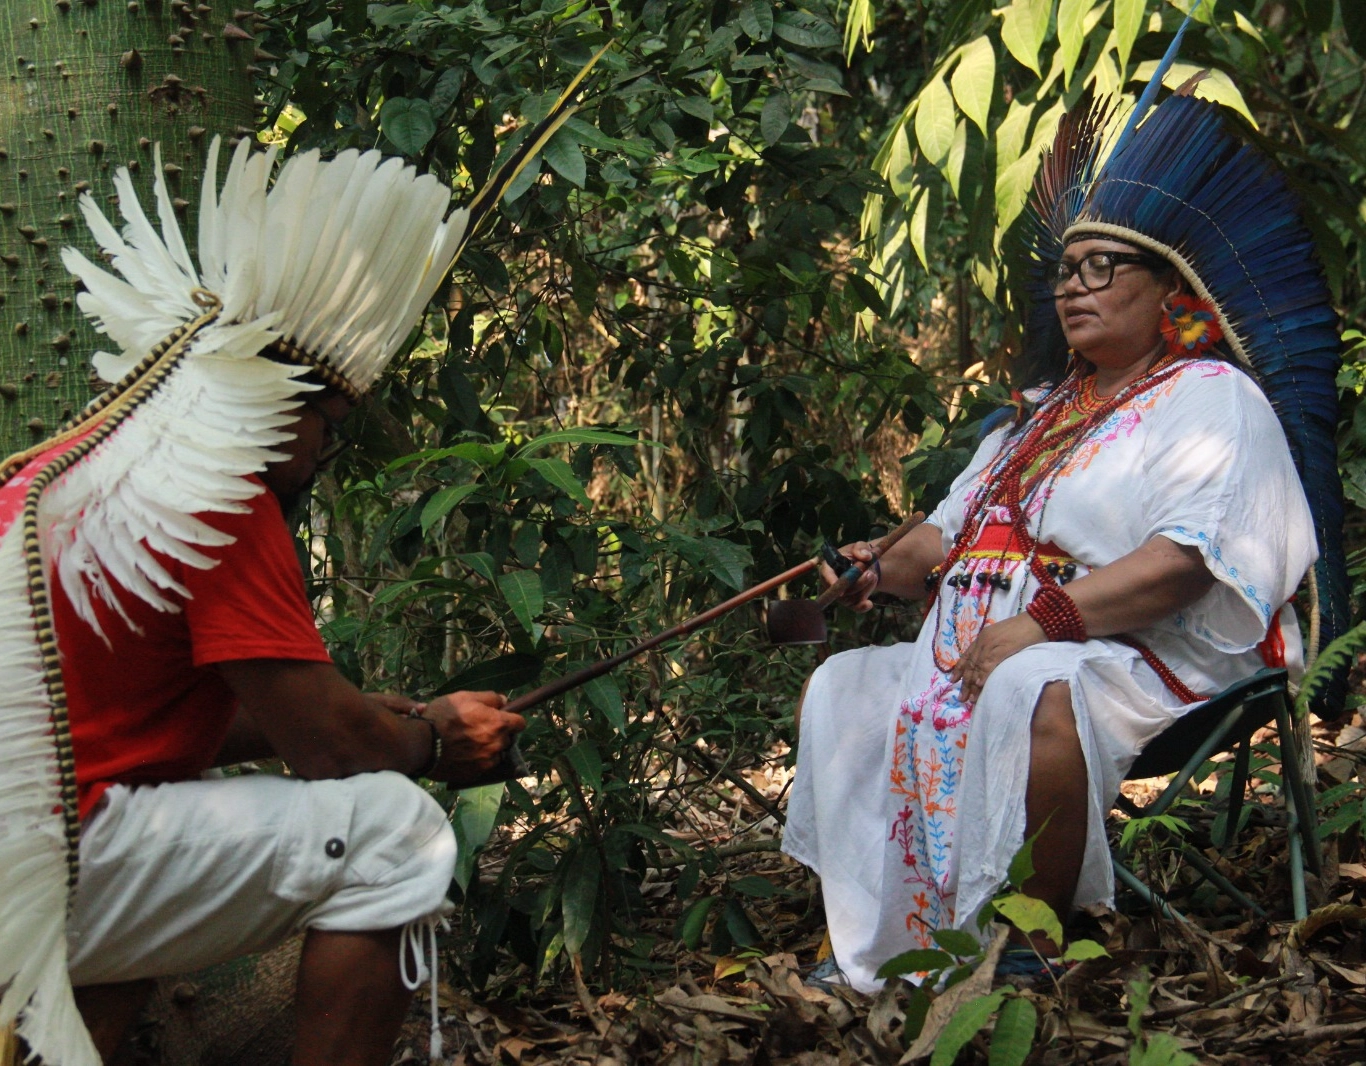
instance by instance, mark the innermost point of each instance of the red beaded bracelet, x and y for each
(1057, 615)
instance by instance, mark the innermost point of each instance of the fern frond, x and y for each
(1334, 657)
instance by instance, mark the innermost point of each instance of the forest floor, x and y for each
(1224, 987)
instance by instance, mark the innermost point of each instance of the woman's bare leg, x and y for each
(1057, 794)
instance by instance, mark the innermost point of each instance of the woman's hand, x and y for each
(996, 643)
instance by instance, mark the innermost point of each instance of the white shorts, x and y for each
(181, 876)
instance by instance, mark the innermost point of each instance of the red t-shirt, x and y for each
(152, 708)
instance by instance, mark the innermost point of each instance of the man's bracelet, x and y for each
(437, 747)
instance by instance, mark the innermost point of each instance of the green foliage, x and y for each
(1157, 1049)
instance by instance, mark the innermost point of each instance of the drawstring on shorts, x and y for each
(416, 937)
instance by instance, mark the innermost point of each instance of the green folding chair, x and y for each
(1226, 723)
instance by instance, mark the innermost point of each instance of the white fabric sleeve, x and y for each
(1218, 476)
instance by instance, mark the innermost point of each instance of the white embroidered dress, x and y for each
(909, 804)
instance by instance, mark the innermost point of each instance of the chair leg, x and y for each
(1209, 873)
(1237, 789)
(1299, 790)
(1131, 881)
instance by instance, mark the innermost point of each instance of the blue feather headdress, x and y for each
(1178, 183)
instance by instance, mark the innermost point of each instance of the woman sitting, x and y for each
(1103, 565)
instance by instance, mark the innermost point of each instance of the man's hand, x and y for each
(475, 732)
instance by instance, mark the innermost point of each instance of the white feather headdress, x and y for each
(330, 267)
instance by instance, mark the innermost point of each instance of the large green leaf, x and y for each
(756, 19)
(582, 436)
(562, 476)
(1024, 28)
(1217, 85)
(1030, 915)
(934, 120)
(1013, 1036)
(961, 1028)
(775, 117)
(727, 560)
(693, 922)
(918, 960)
(522, 590)
(565, 157)
(579, 899)
(1071, 33)
(498, 675)
(605, 694)
(805, 30)
(443, 502)
(409, 124)
(974, 80)
(474, 816)
(1128, 20)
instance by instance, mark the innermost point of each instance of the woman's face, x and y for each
(1116, 326)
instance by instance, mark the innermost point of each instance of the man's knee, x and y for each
(400, 857)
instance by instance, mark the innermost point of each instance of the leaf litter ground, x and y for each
(1225, 987)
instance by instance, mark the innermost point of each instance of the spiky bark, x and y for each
(90, 86)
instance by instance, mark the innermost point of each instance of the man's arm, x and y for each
(324, 727)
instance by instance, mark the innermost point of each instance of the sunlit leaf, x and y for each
(1081, 950)
(974, 80)
(859, 22)
(934, 120)
(1024, 28)
(953, 163)
(1071, 33)
(1128, 20)
(1030, 915)
(918, 227)
(1217, 87)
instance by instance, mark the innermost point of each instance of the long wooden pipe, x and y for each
(588, 673)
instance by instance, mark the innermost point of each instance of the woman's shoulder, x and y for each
(1212, 379)
(1215, 390)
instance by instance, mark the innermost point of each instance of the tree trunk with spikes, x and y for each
(90, 86)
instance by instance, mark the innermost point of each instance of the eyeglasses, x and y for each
(336, 440)
(1097, 270)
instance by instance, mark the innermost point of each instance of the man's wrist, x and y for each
(426, 747)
